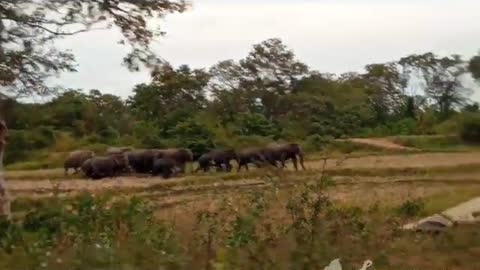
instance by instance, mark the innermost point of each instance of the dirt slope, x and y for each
(385, 143)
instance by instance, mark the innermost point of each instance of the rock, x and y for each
(435, 223)
(465, 213)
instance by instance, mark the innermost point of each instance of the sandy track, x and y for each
(385, 143)
(421, 160)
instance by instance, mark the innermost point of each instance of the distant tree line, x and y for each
(268, 95)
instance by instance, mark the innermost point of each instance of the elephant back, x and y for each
(77, 158)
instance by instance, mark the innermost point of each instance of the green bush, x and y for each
(317, 142)
(411, 208)
(251, 141)
(192, 135)
(254, 124)
(470, 128)
(108, 135)
(406, 126)
(42, 137)
(430, 143)
(17, 147)
(89, 233)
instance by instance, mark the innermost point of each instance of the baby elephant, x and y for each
(165, 167)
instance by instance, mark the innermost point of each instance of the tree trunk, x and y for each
(4, 195)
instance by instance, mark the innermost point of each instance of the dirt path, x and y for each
(24, 186)
(385, 143)
(405, 161)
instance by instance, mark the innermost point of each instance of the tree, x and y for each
(386, 89)
(474, 66)
(442, 80)
(28, 29)
(269, 72)
(448, 93)
(173, 94)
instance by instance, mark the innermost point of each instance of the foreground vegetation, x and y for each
(299, 227)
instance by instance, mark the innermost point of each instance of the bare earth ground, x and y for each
(21, 183)
(385, 143)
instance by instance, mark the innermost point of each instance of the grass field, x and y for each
(370, 197)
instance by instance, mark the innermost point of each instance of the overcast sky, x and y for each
(329, 35)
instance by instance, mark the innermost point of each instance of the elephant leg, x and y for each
(301, 161)
(294, 160)
(66, 171)
(228, 166)
(240, 165)
(282, 160)
(219, 167)
(273, 163)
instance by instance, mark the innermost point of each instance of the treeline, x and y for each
(268, 95)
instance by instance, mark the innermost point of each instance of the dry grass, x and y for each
(382, 182)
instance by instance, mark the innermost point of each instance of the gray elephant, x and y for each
(219, 158)
(101, 167)
(281, 152)
(253, 155)
(141, 161)
(166, 167)
(179, 155)
(76, 159)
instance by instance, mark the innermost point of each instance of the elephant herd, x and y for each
(169, 162)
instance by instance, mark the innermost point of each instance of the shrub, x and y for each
(89, 233)
(470, 128)
(192, 135)
(17, 147)
(108, 135)
(250, 124)
(411, 208)
(317, 142)
(42, 137)
(249, 141)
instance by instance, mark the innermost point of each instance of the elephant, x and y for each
(284, 151)
(141, 161)
(219, 158)
(101, 167)
(179, 155)
(253, 155)
(165, 167)
(76, 159)
(87, 168)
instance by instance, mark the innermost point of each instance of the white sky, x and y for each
(329, 35)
